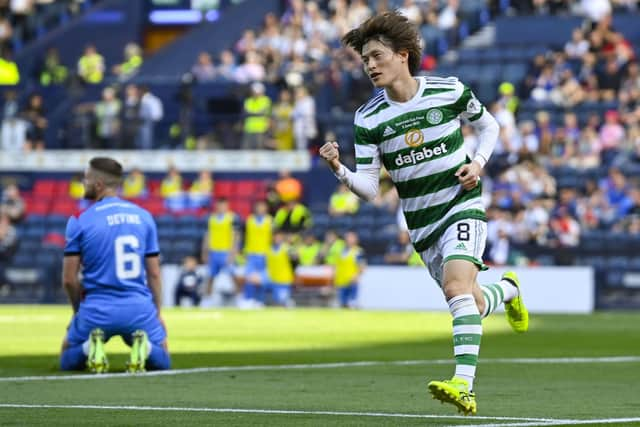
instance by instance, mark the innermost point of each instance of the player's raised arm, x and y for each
(363, 183)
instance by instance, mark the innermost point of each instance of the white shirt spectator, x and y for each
(151, 107)
(14, 134)
(595, 10)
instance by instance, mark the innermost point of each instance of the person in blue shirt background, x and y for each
(116, 243)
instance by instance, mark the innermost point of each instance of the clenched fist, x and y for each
(330, 153)
(469, 175)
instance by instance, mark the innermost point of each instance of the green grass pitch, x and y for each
(518, 384)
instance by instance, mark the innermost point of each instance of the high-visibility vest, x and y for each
(347, 267)
(279, 266)
(221, 232)
(257, 239)
(258, 109)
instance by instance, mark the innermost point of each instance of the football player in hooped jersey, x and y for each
(412, 127)
(116, 243)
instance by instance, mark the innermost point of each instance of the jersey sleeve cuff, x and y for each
(151, 254)
(71, 253)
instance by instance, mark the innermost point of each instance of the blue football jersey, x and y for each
(113, 237)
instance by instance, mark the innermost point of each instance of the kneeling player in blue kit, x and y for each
(116, 243)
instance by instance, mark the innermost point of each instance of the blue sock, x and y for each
(73, 359)
(158, 359)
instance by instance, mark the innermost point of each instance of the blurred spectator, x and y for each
(257, 109)
(8, 243)
(35, 115)
(107, 113)
(304, 118)
(204, 70)
(595, 10)
(14, 134)
(280, 270)
(91, 65)
(251, 70)
(151, 112)
(189, 283)
(257, 242)
(307, 252)
(400, 251)
(412, 11)
(332, 247)
(348, 268)
(508, 97)
(226, 70)
(11, 204)
(6, 30)
(566, 229)
(220, 244)
(610, 80)
(132, 61)
(612, 136)
(52, 71)
(171, 190)
(343, 202)
(131, 117)
(9, 73)
(282, 122)
(293, 217)
(201, 191)
(287, 187)
(134, 185)
(577, 46)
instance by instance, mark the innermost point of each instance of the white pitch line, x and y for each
(270, 411)
(556, 423)
(171, 372)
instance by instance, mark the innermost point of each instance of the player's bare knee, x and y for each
(454, 287)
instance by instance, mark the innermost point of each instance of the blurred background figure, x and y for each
(305, 128)
(189, 284)
(279, 271)
(107, 113)
(200, 194)
(171, 190)
(221, 242)
(282, 122)
(11, 204)
(287, 187)
(134, 185)
(132, 60)
(349, 266)
(257, 110)
(91, 65)
(343, 202)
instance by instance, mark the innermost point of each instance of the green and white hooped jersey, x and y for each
(421, 145)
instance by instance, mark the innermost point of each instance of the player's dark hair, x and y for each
(109, 170)
(391, 29)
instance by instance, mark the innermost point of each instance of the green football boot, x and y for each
(97, 361)
(517, 313)
(455, 391)
(139, 351)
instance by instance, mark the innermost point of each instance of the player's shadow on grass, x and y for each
(494, 345)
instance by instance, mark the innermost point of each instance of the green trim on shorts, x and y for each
(481, 265)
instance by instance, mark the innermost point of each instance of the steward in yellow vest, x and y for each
(348, 268)
(220, 244)
(257, 243)
(280, 270)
